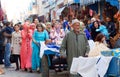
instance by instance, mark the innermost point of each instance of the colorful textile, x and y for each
(112, 52)
(116, 52)
(43, 48)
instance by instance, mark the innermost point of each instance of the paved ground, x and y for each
(10, 72)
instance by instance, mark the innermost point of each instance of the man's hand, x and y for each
(86, 55)
(63, 55)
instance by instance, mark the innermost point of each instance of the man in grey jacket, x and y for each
(75, 44)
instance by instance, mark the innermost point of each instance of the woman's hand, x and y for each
(35, 42)
(48, 41)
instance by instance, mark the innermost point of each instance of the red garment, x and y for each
(1, 14)
(91, 12)
(117, 16)
(32, 27)
(26, 49)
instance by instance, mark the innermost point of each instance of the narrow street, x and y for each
(10, 72)
(59, 38)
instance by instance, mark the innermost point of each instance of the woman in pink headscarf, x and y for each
(33, 27)
(26, 49)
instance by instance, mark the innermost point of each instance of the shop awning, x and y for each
(83, 2)
(59, 11)
(114, 3)
(88, 2)
(76, 1)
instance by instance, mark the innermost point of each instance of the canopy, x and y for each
(85, 2)
(76, 1)
(114, 3)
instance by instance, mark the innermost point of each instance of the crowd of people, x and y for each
(22, 41)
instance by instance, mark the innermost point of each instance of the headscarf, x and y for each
(25, 26)
(82, 26)
(31, 26)
(48, 23)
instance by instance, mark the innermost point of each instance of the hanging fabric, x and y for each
(114, 3)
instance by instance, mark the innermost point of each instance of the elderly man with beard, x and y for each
(75, 44)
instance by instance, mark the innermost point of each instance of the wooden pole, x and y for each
(98, 7)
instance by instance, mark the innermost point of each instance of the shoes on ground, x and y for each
(17, 69)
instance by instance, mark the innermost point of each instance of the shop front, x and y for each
(111, 7)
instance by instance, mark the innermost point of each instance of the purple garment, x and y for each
(87, 34)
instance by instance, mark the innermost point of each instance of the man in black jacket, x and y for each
(111, 27)
(1, 46)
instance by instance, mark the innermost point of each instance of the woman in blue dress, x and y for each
(39, 35)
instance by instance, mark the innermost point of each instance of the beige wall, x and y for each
(40, 8)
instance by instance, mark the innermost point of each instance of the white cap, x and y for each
(75, 21)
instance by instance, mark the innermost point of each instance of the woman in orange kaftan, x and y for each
(26, 49)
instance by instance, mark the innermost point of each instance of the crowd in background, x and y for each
(22, 40)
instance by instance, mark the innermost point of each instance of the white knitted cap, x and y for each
(75, 21)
